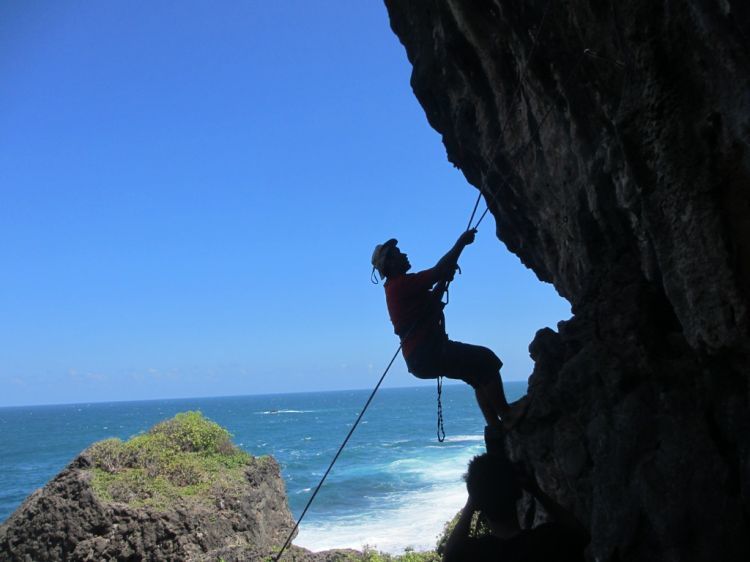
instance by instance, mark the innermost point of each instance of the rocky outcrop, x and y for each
(66, 520)
(180, 492)
(621, 175)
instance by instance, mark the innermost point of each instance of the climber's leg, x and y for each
(489, 413)
(496, 396)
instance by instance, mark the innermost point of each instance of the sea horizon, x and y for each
(446, 382)
(393, 487)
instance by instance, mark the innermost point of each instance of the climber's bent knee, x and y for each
(473, 364)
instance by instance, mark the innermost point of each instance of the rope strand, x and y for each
(441, 289)
(335, 458)
(517, 89)
(440, 428)
(522, 150)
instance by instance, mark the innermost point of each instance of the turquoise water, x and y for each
(393, 486)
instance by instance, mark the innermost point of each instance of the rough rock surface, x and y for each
(65, 521)
(624, 180)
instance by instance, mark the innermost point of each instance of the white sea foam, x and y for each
(439, 467)
(395, 442)
(462, 438)
(416, 522)
(273, 412)
(396, 521)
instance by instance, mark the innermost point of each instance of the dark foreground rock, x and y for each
(624, 180)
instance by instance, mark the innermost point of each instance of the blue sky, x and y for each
(191, 192)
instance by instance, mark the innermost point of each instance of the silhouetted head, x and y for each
(493, 487)
(389, 260)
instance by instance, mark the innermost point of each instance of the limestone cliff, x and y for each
(621, 176)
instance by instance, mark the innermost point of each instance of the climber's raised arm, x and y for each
(447, 264)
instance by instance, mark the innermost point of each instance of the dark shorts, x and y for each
(473, 364)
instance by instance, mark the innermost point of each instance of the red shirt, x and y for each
(412, 303)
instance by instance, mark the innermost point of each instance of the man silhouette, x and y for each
(416, 311)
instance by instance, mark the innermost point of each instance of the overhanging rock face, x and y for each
(624, 180)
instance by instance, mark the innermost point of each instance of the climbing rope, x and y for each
(335, 458)
(522, 150)
(440, 428)
(444, 289)
(593, 54)
(517, 89)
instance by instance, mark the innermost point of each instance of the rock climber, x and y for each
(494, 486)
(416, 310)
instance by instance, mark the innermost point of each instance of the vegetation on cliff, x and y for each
(187, 456)
(370, 555)
(190, 458)
(478, 528)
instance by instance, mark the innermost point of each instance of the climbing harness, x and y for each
(445, 289)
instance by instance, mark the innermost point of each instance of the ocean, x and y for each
(393, 487)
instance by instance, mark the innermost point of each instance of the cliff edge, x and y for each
(612, 143)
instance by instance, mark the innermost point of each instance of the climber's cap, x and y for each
(381, 254)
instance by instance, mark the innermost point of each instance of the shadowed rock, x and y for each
(623, 180)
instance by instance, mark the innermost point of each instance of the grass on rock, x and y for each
(188, 456)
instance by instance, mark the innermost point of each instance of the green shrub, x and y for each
(184, 457)
(369, 554)
(191, 432)
(109, 454)
(478, 528)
